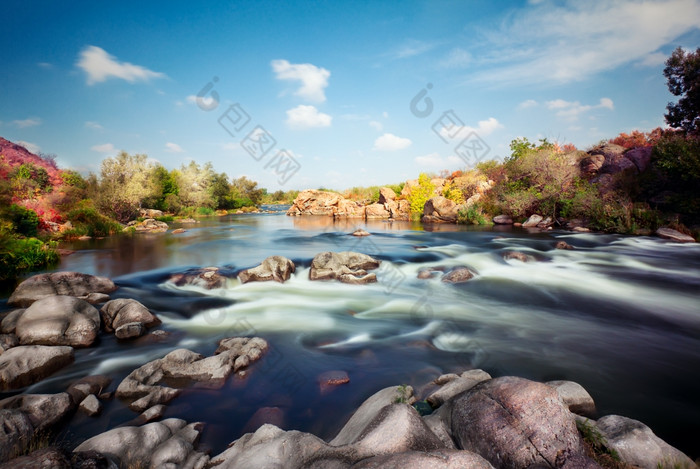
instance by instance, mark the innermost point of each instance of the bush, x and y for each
(25, 222)
(73, 179)
(205, 211)
(472, 215)
(88, 221)
(24, 255)
(420, 194)
(452, 192)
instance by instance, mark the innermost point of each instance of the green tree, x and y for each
(682, 73)
(243, 187)
(220, 190)
(193, 181)
(126, 181)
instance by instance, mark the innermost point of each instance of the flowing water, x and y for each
(620, 315)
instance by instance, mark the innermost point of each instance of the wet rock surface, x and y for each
(58, 283)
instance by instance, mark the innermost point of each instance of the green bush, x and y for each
(472, 215)
(205, 211)
(88, 221)
(24, 255)
(165, 218)
(25, 222)
(74, 179)
(420, 194)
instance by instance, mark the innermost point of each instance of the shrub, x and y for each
(472, 215)
(25, 222)
(452, 192)
(24, 255)
(88, 221)
(205, 211)
(420, 194)
(74, 179)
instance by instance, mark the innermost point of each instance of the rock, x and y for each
(442, 458)
(637, 445)
(150, 213)
(88, 385)
(58, 283)
(91, 406)
(456, 385)
(84, 238)
(125, 312)
(330, 379)
(149, 225)
(152, 413)
(518, 256)
(458, 275)
(313, 202)
(167, 444)
(439, 210)
(43, 410)
(427, 272)
(532, 222)
(9, 322)
(144, 386)
(7, 341)
(515, 423)
(640, 156)
(386, 194)
(346, 266)
(575, 397)
(207, 277)
(179, 231)
(130, 330)
(562, 245)
(16, 432)
(502, 220)
(376, 211)
(276, 268)
(592, 164)
(402, 211)
(189, 221)
(546, 223)
(673, 235)
(95, 298)
(581, 229)
(58, 320)
(348, 209)
(25, 365)
(49, 458)
(360, 232)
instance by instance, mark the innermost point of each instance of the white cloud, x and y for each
(485, 127)
(313, 79)
(528, 103)
(457, 58)
(24, 123)
(433, 160)
(104, 148)
(31, 147)
(173, 148)
(572, 40)
(101, 66)
(413, 47)
(93, 125)
(571, 110)
(653, 60)
(306, 117)
(390, 142)
(376, 125)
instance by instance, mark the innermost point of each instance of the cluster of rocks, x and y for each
(315, 202)
(149, 225)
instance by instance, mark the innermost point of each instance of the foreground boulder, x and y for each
(58, 320)
(442, 458)
(58, 283)
(516, 423)
(25, 365)
(277, 268)
(127, 318)
(346, 266)
(440, 210)
(453, 384)
(58, 458)
(43, 410)
(145, 386)
(167, 444)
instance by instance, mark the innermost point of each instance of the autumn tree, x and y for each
(682, 73)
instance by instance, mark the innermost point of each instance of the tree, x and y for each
(682, 73)
(125, 182)
(245, 188)
(220, 191)
(194, 181)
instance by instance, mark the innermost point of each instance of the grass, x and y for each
(598, 447)
(20, 255)
(401, 394)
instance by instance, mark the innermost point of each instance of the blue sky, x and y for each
(331, 82)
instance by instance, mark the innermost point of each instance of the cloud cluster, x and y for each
(24, 123)
(306, 117)
(101, 66)
(313, 79)
(390, 142)
(571, 110)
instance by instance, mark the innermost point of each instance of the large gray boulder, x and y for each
(58, 320)
(638, 446)
(515, 423)
(15, 433)
(25, 365)
(674, 235)
(442, 458)
(146, 387)
(451, 385)
(43, 410)
(346, 266)
(124, 315)
(58, 283)
(277, 268)
(575, 397)
(162, 445)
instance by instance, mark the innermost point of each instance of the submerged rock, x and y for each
(58, 320)
(58, 283)
(517, 255)
(346, 266)
(458, 275)
(277, 268)
(360, 232)
(28, 364)
(208, 277)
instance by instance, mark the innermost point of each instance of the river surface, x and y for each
(619, 315)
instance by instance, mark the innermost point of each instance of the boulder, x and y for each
(442, 458)
(7, 341)
(314, 202)
(546, 223)
(95, 298)
(637, 445)
(348, 209)
(640, 156)
(58, 320)
(562, 245)
(516, 423)
(9, 322)
(517, 255)
(376, 211)
(346, 266)
(207, 277)
(167, 444)
(179, 231)
(150, 213)
(402, 211)
(455, 384)
(591, 164)
(674, 235)
(457, 275)
(25, 365)
(575, 397)
(360, 232)
(120, 312)
(145, 386)
(90, 406)
(439, 210)
(275, 268)
(533, 221)
(386, 194)
(16, 432)
(149, 225)
(43, 410)
(94, 384)
(502, 220)
(58, 283)
(130, 330)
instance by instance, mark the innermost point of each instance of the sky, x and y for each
(331, 94)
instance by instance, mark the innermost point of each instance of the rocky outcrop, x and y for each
(149, 225)
(127, 318)
(58, 283)
(346, 266)
(25, 365)
(315, 202)
(277, 268)
(58, 320)
(150, 213)
(146, 386)
(167, 444)
(207, 277)
(386, 194)
(674, 235)
(376, 211)
(440, 210)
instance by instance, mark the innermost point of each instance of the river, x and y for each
(619, 315)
